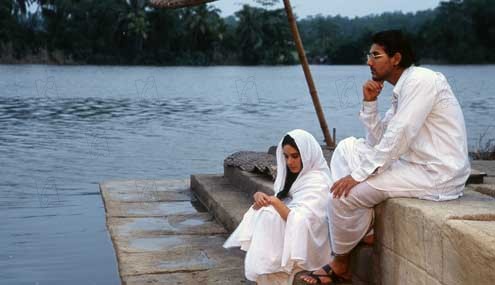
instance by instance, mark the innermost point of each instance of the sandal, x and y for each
(334, 278)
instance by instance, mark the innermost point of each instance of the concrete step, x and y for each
(248, 182)
(160, 238)
(224, 201)
(228, 203)
(476, 177)
(251, 183)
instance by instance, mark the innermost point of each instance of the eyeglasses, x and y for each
(374, 56)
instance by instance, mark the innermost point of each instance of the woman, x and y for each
(288, 232)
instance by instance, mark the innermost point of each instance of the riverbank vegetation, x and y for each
(132, 32)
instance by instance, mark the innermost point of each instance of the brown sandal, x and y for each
(334, 278)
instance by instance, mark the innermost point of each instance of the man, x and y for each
(417, 150)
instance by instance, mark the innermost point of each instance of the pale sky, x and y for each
(349, 8)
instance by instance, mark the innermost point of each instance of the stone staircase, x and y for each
(418, 242)
(227, 197)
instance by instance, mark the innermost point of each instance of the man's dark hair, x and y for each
(394, 41)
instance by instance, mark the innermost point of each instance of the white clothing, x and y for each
(274, 245)
(350, 218)
(420, 144)
(418, 150)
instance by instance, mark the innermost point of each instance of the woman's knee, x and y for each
(269, 212)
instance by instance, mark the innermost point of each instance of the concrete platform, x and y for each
(224, 201)
(161, 238)
(424, 242)
(418, 242)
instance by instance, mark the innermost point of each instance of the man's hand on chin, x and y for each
(371, 90)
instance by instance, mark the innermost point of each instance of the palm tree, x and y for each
(202, 23)
(249, 31)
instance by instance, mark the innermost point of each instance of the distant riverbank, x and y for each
(59, 58)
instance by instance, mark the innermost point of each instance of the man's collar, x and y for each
(402, 78)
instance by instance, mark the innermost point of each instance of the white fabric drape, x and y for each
(418, 150)
(420, 144)
(274, 245)
(350, 217)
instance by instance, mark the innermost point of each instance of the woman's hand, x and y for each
(280, 207)
(261, 200)
(274, 200)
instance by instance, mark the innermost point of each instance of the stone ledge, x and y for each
(441, 239)
(225, 202)
(488, 166)
(418, 241)
(487, 189)
(248, 182)
(228, 204)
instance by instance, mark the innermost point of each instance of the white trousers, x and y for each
(350, 218)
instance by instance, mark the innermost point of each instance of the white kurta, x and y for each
(418, 150)
(420, 144)
(274, 245)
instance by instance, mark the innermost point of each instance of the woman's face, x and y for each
(292, 158)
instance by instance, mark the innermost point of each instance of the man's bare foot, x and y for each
(369, 240)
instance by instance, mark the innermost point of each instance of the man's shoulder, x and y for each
(420, 76)
(416, 76)
(418, 72)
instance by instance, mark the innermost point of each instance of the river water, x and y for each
(64, 129)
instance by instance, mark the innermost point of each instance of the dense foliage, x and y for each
(131, 32)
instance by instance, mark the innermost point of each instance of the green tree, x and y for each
(131, 32)
(277, 38)
(264, 36)
(203, 30)
(320, 36)
(449, 36)
(162, 44)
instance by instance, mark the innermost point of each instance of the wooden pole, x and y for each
(309, 78)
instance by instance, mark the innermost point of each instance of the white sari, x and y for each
(275, 246)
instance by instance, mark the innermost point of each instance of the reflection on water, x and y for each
(63, 129)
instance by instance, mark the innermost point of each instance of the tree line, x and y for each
(132, 32)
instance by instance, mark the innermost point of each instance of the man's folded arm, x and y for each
(370, 117)
(415, 103)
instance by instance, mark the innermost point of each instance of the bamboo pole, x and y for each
(307, 72)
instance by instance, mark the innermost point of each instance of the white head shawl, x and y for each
(311, 157)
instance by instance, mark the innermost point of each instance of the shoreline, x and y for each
(58, 58)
